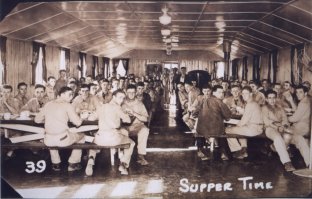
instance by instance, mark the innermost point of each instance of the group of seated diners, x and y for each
(281, 111)
(121, 105)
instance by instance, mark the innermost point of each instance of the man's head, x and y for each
(89, 79)
(271, 97)
(188, 86)
(66, 94)
(307, 84)
(39, 91)
(254, 86)
(119, 96)
(140, 88)
(218, 91)
(94, 88)
(286, 85)
(180, 86)
(84, 91)
(225, 85)
(51, 81)
(207, 90)
(244, 83)
(301, 92)
(104, 85)
(7, 91)
(22, 88)
(72, 85)
(277, 88)
(235, 91)
(131, 92)
(62, 74)
(183, 70)
(247, 93)
(265, 84)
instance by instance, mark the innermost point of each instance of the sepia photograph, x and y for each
(156, 99)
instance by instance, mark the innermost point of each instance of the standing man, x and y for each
(56, 115)
(212, 113)
(104, 95)
(50, 88)
(251, 124)
(110, 116)
(136, 109)
(61, 82)
(275, 122)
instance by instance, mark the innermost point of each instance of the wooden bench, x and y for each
(41, 145)
(261, 136)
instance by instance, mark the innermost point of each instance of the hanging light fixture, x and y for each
(165, 19)
(165, 32)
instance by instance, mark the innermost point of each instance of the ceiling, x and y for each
(111, 28)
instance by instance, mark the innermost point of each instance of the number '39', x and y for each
(39, 167)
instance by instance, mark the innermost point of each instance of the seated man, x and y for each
(35, 104)
(301, 123)
(8, 104)
(136, 109)
(85, 104)
(251, 124)
(235, 102)
(21, 95)
(257, 95)
(144, 97)
(275, 122)
(110, 134)
(56, 114)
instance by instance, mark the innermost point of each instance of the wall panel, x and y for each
(53, 61)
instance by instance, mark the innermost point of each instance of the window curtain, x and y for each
(95, 66)
(105, 66)
(272, 66)
(67, 60)
(256, 68)
(115, 64)
(34, 62)
(3, 59)
(245, 68)
(235, 68)
(214, 72)
(125, 63)
(82, 64)
(296, 54)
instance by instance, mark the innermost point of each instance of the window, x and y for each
(171, 65)
(1, 70)
(62, 60)
(120, 70)
(39, 68)
(220, 69)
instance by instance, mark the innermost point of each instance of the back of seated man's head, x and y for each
(139, 84)
(131, 87)
(118, 91)
(64, 89)
(247, 88)
(8, 87)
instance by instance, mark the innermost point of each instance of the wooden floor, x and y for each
(174, 167)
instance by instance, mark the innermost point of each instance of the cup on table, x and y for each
(7, 116)
(84, 115)
(25, 114)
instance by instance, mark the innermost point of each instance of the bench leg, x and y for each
(112, 156)
(6, 133)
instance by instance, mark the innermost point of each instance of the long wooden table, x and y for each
(37, 130)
